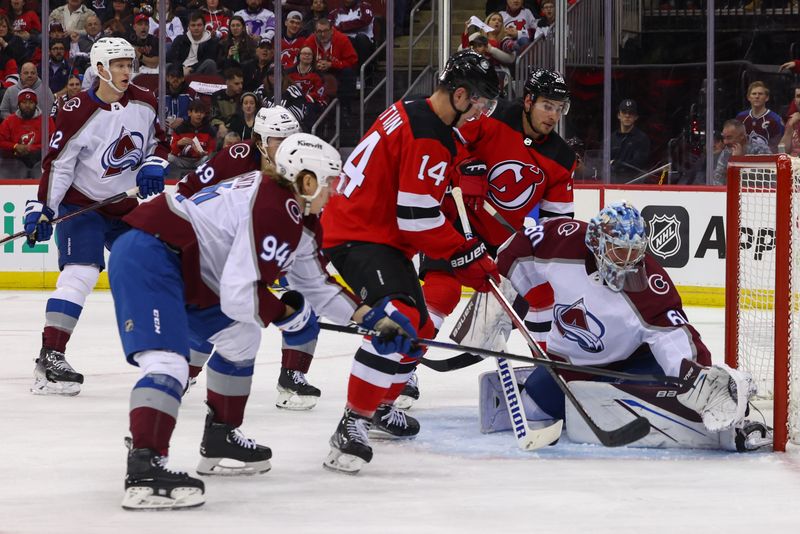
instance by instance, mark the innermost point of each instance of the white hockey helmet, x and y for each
(276, 121)
(107, 49)
(305, 152)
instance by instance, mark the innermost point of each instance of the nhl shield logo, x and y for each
(665, 235)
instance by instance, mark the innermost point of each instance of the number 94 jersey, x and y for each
(393, 183)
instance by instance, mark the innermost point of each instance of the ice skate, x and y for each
(226, 451)
(350, 448)
(150, 485)
(294, 391)
(54, 376)
(392, 423)
(409, 394)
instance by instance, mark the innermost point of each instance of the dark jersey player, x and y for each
(387, 210)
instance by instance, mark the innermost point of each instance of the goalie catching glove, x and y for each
(718, 393)
(397, 332)
(473, 267)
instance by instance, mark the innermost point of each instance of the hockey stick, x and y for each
(459, 361)
(629, 432)
(92, 207)
(497, 217)
(472, 351)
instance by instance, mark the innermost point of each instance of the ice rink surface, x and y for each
(64, 459)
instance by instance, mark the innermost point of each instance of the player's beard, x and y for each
(27, 114)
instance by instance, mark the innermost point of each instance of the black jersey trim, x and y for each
(425, 124)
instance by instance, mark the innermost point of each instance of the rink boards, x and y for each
(687, 229)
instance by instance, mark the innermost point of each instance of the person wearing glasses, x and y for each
(516, 162)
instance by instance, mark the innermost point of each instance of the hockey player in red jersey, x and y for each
(387, 210)
(616, 307)
(106, 141)
(200, 267)
(516, 162)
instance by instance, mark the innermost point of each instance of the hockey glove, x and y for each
(397, 332)
(473, 267)
(150, 179)
(719, 394)
(301, 327)
(37, 222)
(474, 183)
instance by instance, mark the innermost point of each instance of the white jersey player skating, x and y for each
(107, 140)
(616, 307)
(199, 268)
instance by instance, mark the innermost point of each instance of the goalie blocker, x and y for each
(673, 425)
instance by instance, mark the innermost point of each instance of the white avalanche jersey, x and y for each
(593, 325)
(97, 148)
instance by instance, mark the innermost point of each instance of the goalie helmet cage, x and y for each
(762, 282)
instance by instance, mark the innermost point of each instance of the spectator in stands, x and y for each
(178, 97)
(630, 146)
(242, 121)
(26, 25)
(116, 28)
(304, 109)
(11, 46)
(546, 20)
(94, 31)
(736, 142)
(192, 142)
(101, 8)
(144, 44)
(196, 50)
(292, 39)
(519, 22)
(260, 21)
(72, 16)
(355, 20)
(21, 138)
(217, 19)
(174, 26)
(231, 138)
(225, 101)
(791, 135)
(238, 47)
(303, 6)
(759, 122)
(498, 47)
(73, 88)
(305, 76)
(59, 69)
(119, 15)
(319, 10)
(28, 79)
(256, 70)
(335, 56)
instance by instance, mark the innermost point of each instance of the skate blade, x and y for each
(404, 402)
(340, 462)
(288, 400)
(216, 467)
(42, 386)
(382, 435)
(142, 498)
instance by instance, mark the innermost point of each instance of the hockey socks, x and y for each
(61, 317)
(154, 405)
(229, 386)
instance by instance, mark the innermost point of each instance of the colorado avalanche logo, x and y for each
(124, 153)
(578, 325)
(513, 183)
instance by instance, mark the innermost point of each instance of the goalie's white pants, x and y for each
(610, 406)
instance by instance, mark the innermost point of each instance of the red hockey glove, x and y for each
(473, 267)
(474, 183)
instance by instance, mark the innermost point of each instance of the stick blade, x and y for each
(541, 437)
(626, 434)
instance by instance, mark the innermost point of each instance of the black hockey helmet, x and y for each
(546, 83)
(468, 69)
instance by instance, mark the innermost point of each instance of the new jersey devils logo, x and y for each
(513, 183)
(576, 324)
(124, 153)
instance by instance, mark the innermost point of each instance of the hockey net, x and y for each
(762, 316)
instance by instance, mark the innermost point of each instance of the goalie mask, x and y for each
(107, 49)
(618, 240)
(303, 152)
(277, 122)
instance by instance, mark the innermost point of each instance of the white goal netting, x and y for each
(760, 259)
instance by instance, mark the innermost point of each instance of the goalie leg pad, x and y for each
(493, 413)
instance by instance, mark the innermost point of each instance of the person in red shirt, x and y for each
(293, 39)
(337, 57)
(21, 139)
(386, 211)
(305, 76)
(193, 141)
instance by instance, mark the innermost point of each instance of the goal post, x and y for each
(762, 327)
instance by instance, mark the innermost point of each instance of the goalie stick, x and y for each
(629, 432)
(92, 207)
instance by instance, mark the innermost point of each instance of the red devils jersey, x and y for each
(392, 185)
(522, 172)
